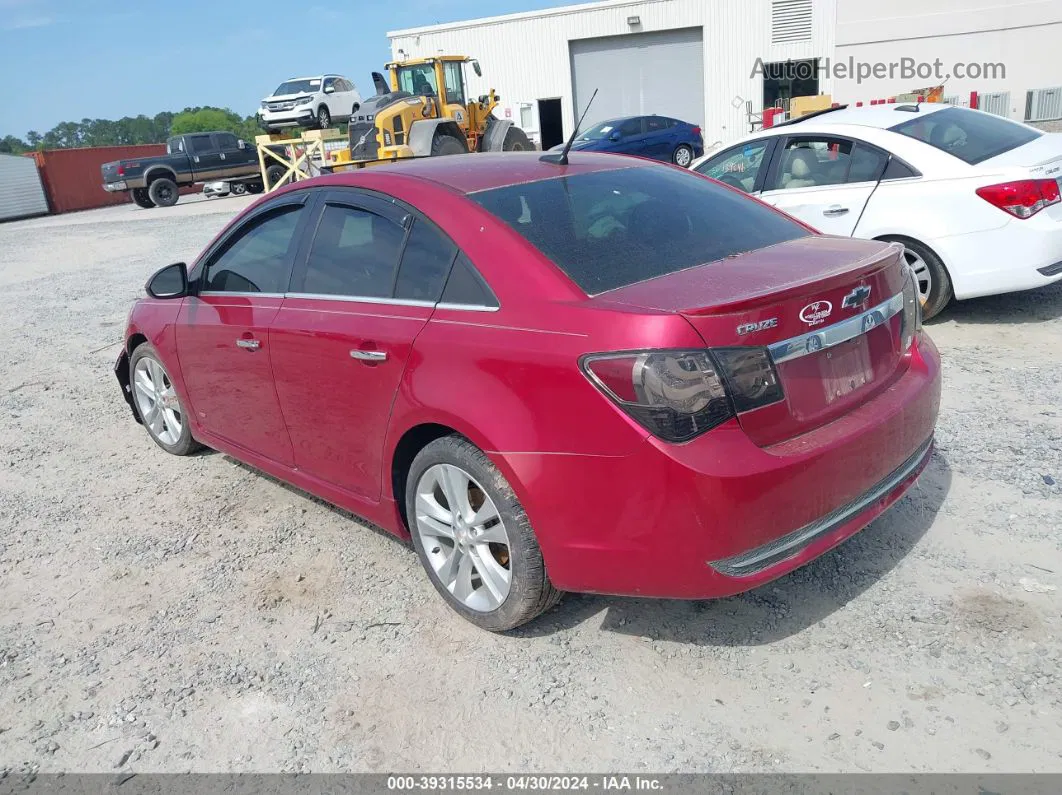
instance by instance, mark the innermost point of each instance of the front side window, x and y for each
(737, 167)
(354, 254)
(812, 162)
(455, 83)
(257, 259)
(608, 229)
(227, 141)
(630, 128)
(968, 135)
(419, 79)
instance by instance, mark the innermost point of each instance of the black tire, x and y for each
(163, 192)
(447, 145)
(274, 174)
(141, 198)
(530, 592)
(682, 156)
(516, 140)
(940, 290)
(237, 188)
(324, 118)
(185, 443)
(255, 187)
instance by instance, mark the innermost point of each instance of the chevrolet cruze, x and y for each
(611, 376)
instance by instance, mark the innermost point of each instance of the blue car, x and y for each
(655, 137)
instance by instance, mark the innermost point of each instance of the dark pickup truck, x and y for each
(197, 157)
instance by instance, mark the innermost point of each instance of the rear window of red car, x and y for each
(609, 229)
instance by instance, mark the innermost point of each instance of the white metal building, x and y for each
(703, 60)
(692, 59)
(1006, 48)
(23, 194)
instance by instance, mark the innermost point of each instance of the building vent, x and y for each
(997, 103)
(1043, 104)
(790, 21)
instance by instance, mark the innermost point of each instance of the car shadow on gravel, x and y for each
(782, 608)
(1041, 305)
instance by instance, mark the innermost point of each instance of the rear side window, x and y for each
(258, 258)
(465, 287)
(425, 263)
(612, 228)
(354, 254)
(867, 164)
(200, 143)
(968, 135)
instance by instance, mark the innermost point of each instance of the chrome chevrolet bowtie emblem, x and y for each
(857, 297)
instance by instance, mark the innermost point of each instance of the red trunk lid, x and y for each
(785, 293)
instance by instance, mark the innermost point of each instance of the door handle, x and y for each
(196, 158)
(251, 345)
(835, 210)
(222, 155)
(368, 356)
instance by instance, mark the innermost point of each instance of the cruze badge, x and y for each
(816, 312)
(748, 328)
(857, 297)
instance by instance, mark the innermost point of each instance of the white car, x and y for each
(309, 102)
(973, 197)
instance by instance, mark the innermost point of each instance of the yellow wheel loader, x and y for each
(424, 111)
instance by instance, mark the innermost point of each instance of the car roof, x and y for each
(488, 170)
(880, 116)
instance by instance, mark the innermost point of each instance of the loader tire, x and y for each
(446, 145)
(516, 140)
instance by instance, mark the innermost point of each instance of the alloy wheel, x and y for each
(923, 275)
(157, 401)
(463, 537)
(683, 157)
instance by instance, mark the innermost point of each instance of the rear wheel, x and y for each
(255, 187)
(163, 192)
(516, 140)
(141, 198)
(473, 537)
(446, 145)
(683, 156)
(237, 188)
(934, 284)
(274, 174)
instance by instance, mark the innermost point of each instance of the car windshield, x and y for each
(599, 131)
(608, 229)
(970, 136)
(418, 80)
(308, 86)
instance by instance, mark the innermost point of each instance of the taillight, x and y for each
(911, 322)
(696, 130)
(121, 171)
(679, 394)
(1024, 198)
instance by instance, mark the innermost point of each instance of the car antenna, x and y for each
(562, 158)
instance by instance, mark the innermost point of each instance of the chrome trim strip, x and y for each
(224, 293)
(829, 336)
(356, 299)
(468, 307)
(773, 552)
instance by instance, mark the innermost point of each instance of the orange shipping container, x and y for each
(72, 178)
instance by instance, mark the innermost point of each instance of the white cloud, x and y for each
(20, 23)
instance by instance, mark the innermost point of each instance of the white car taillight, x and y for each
(912, 309)
(1023, 198)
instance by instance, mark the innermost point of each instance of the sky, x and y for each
(65, 60)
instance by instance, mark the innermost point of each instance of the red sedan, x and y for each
(612, 376)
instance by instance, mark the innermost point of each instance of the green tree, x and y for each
(196, 120)
(11, 145)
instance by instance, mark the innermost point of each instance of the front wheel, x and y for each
(324, 118)
(516, 140)
(473, 537)
(447, 145)
(683, 156)
(158, 404)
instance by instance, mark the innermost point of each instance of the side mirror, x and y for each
(615, 136)
(330, 89)
(169, 282)
(476, 69)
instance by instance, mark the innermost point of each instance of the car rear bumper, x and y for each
(719, 515)
(1021, 255)
(114, 187)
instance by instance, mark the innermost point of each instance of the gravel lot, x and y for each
(166, 614)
